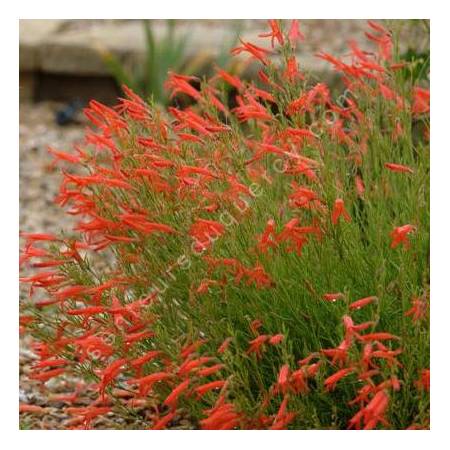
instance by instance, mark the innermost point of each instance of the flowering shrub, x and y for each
(256, 265)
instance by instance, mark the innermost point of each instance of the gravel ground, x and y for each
(38, 183)
(38, 187)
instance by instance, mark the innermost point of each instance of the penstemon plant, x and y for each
(263, 266)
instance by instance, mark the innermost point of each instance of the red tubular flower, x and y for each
(146, 383)
(205, 232)
(418, 310)
(380, 336)
(330, 382)
(92, 345)
(373, 413)
(398, 168)
(257, 343)
(283, 418)
(255, 325)
(275, 33)
(292, 73)
(298, 380)
(207, 371)
(64, 156)
(224, 346)
(230, 79)
(47, 375)
(390, 357)
(164, 421)
(34, 409)
(211, 98)
(109, 373)
(191, 364)
(191, 348)
(339, 211)
(312, 369)
(267, 239)
(140, 223)
(303, 197)
(339, 355)
(260, 93)
(258, 276)
(421, 101)
(204, 388)
(294, 34)
(34, 237)
(383, 39)
(222, 417)
(390, 95)
(172, 398)
(137, 363)
(423, 383)
(88, 413)
(397, 131)
(136, 337)
(375, 410)
(276, 339)
(180, 84)
(358, 304)
(359, 184)
(332, 297)
(257, 52)
(400, 235)
(318, 95)
(204, 286)
(252, 110)
(283, 378)
(87, 312)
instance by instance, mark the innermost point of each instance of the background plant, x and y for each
(163, 55)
